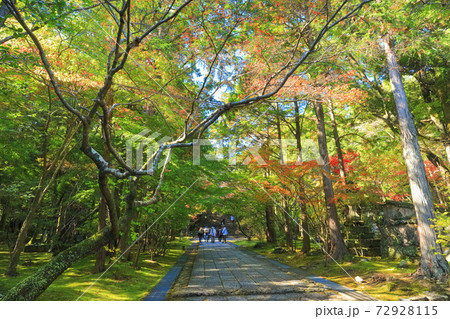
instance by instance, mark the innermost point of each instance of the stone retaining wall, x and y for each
(398, 228)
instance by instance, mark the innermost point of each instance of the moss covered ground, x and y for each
(383, 278)
(121, 282)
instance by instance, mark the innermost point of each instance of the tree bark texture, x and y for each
(432, 263)
(337, 141)
(33, 286)
(337, 249)
(287, 217)
(306, 240)
(270, 223)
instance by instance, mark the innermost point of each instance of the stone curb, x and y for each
(159, 292)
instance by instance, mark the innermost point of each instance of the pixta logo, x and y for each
(242, 152)
(140, 149)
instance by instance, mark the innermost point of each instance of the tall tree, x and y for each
(306, 240)
(432, 262)
(337, 248)
(195, 119)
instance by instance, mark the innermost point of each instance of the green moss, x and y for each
(383, 279)
(121, 282)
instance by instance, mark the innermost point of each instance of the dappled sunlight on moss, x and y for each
(121, 282)
(396, 283)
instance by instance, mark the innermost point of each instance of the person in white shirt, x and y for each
(224, 234)
(213, 234)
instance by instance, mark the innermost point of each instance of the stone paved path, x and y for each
(222, 271)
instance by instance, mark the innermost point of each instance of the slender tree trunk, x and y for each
(34, 285)
(306, 240)
(138, 251)
(287, 217)
(288, 222)
(432, 263)
(101, 252)
(337, 141)
(270, 222)
(337, 248)
(443, 94)
(4, 217)
(42, 189)
(249, 237)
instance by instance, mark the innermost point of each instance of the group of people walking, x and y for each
(211, 233)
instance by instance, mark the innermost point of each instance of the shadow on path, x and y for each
(222, 271)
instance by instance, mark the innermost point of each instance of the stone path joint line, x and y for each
(222, 271)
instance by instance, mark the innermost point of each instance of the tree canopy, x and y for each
(119, 117)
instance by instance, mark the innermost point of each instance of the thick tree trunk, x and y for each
(432, 263)
(131, 211)
(270, 222)
(337, 248)
(33, 286)
(102, 213)
(110, 202)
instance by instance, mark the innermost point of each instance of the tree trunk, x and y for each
(287, 217)
(4, 12)
(131, 211)
(101, 253)
(288, 222)
(306, 240)
(4, 217)
(337, 246)
(40, 193)
(33, 286)
(249, 237)
(432, 263)
(337, 141)
(270, 222)
(102, 212)
(23, 234)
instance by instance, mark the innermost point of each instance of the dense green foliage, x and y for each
(80, 80)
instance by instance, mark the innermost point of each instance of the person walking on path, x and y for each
(213, 233)
(200, 234)
(206, 233)
(224, 234)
